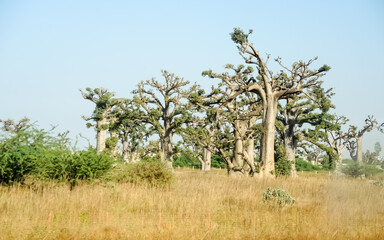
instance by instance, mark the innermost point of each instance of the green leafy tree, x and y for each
(355, 145)
(104, 101)
(329, 136)
(240, 113)
(166, 109)
(298, 110)
(130, 128)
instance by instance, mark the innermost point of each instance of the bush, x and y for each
(277, 196)
(282, 165)
(147, 173)
(217, 162)
(371, 170)
(329, 161)
(15, 163)
(19, 151)
(185, 160)
(64, 165)
(30, 151)
(302, 165)
(355, 169)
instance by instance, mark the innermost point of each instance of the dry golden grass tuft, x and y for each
(197, 206)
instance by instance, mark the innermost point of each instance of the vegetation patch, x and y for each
(302, 165)
(277, 196)
(146, 173)
(356, 170)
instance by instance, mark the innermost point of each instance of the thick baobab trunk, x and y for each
(126, 150)
(238, 151)
(167, 150)
(115, 149)
(251, 149)
(359, 153)
(338, 163)
(100, 135)
(290, 145)
(237, 158)
(206, 160)
(249, 165)
(267, 163)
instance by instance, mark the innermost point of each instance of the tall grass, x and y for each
(197, 205)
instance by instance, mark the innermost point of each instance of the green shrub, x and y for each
(302, 165)
(30, 151)
(277, 196)
(64, 165)
(217, 162)
(19, 151)
(329, 161)
(185, 160)
(15, 163)
(354, 169)
(371, 170)
(282, 165)
(147, 173)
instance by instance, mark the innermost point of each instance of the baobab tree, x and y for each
(165, 106)
(241, 113)
(104, 101)
(355, 145)
(329, 136)
(129, 127)
(298, 110)
(271, 88)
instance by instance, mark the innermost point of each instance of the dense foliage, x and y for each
(282, 165)
(302, 165)
(30, 151)
(359, 170)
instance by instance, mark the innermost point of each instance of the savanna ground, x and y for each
(198, 205)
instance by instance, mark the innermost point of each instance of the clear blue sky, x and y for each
(50, 49)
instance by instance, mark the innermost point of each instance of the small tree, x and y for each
(329, 136)
(355, 145)
(104, 101)
(297, 111)
(165, 106)
(129, 127)
(241, 113)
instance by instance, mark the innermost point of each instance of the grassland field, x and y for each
(197, 205)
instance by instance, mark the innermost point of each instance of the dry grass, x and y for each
(197, 206)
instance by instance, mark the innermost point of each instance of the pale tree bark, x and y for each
(238, 150)
(290, 141)
(101, 134)
(205, 160)
(167, 150)
(359, 143)
(267, 153)
(290, 144)
(125, 150)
